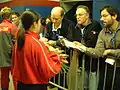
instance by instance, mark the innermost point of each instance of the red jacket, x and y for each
(8, 32)
(30, 64)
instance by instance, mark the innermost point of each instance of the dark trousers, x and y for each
(109, 78)
(22, 86)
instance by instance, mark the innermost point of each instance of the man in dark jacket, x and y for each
(59, 26)
(86, 32)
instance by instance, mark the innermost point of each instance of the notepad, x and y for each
(110, 61)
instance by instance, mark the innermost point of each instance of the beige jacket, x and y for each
(105, 42)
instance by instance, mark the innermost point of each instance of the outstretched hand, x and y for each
(80, 46)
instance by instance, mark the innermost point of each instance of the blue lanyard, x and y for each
(113, 39)
(57, 33)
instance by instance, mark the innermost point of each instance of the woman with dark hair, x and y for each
(34, 62)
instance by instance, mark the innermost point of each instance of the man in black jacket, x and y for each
(59, 26)
(86, 32)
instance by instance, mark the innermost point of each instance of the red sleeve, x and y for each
(48, 62)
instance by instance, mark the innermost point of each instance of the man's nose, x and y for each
(77, 17)
(54, 20)
(101, 18)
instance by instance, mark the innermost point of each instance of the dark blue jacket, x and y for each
(65, 30)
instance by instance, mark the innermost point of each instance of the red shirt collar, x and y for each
(35, 35)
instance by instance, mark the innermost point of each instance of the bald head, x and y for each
(57, 14)
(58, 11)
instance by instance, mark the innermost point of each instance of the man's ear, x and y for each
(114, 17)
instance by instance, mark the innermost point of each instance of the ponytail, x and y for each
(27, 19)
(20, 38)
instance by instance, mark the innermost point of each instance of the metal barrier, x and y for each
(75, 77)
